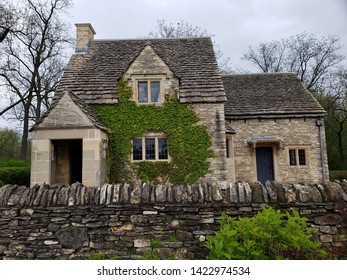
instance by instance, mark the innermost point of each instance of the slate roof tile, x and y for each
(94, 76)
(255, 95)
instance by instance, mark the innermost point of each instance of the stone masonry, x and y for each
(85, 33)
(45, 222)
(295, 132)
(68, 122)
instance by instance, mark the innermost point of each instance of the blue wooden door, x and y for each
(265, 167)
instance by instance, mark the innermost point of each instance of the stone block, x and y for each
(135, 195)
(241, 192)
(328, 229)
(340, 237)
(139, 219)
(326, 238)
(160, 193)
(141, 243)
(233, 193)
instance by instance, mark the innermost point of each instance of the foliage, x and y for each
(334, 101)
(15, 175)
(155, 243)
(14, 163)
(338, 175)
(99, 256)
(10, 144)
(150, 256)
(188, 142)
(268, 235)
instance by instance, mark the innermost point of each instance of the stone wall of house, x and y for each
(84, 34)
(127, 220)
(44, 155)
(295, 132)
(211, 115)
(149, 66)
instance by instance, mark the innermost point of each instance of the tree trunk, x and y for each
(340, 137)
(24, 149)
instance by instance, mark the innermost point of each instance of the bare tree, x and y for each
(185, 30)
(6, 21)
(33, 60)
(268, 57)
(309, 57)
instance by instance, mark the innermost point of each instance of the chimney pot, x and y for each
(84, 34)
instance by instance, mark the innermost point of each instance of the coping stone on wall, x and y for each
(138, 192)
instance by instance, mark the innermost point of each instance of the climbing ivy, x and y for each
(188, 142)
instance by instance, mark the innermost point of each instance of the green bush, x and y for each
(15, 175)
(268, 235)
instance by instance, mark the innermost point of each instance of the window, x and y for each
(150, 148)
(297, 156)
(148, 92)
(229, 147)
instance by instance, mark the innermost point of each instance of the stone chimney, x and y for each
(84, 34)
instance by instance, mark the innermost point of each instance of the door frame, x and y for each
(272, 157)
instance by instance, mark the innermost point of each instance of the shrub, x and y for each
(268, 235)
(15, 175)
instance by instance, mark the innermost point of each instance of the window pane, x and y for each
(162, 143)
(155, 92)
(142, 89)
(227, 147)
(150, 148)
(292, 157)
(137, 149)
(302, 157)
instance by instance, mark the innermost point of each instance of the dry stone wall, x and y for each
(127, 220)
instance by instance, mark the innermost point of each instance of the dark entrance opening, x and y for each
(67, 161)
(265, 166)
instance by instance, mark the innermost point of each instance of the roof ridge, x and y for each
(151, 39)
(258, 74)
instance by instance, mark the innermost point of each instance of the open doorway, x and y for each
(66, 164)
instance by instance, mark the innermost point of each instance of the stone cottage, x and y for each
(276, 129)
(261, 127)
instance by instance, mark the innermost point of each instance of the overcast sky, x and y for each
(236, 24)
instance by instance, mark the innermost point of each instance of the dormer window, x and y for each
(148, 91)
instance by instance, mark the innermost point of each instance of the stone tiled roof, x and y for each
(266, 95)
(93, 76)
(86, 109)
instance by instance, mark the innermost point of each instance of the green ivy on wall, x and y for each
(188, 142)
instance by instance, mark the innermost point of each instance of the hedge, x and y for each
(15, 175)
